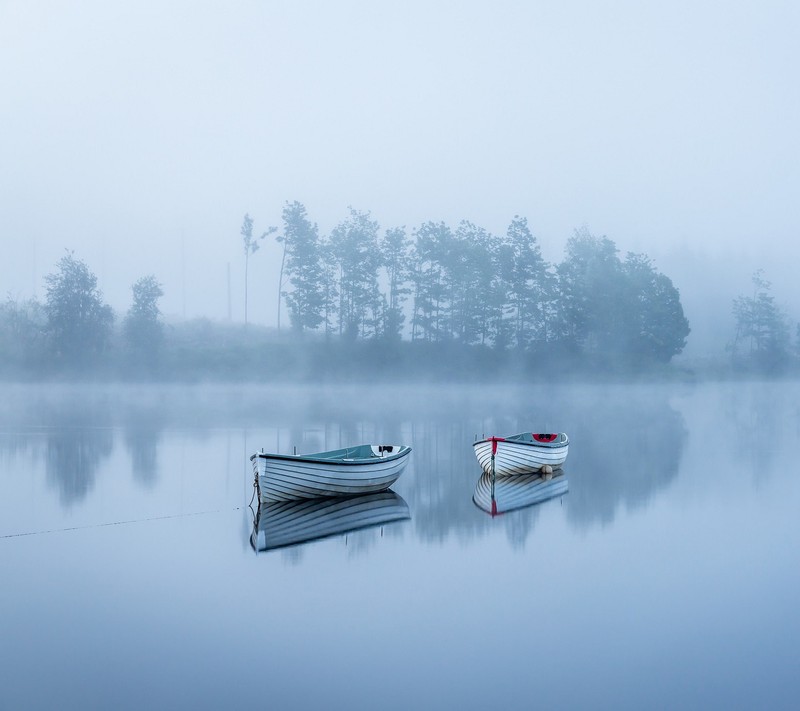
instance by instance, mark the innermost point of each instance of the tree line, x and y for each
(433, 299)
(465, 285)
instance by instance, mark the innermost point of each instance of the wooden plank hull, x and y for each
(287, 523)
(285, 478)
(517, 458)
(518, 492)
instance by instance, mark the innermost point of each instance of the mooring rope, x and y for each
(115, 523)
(255, 488)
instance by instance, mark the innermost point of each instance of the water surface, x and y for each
(665, 577)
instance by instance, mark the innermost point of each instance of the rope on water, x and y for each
(115, 523)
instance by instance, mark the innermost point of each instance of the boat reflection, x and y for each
(509, 493)
(287, 523)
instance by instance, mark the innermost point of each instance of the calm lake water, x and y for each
(666, 577)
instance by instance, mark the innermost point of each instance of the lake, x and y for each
(665, 577)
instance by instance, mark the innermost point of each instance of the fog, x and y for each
(138, 135)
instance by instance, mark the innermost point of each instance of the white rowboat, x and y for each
(364, 469)
(524, 453)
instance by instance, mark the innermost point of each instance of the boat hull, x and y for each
(288, 523)
(519, 492)
(517, 458)
(285, 478)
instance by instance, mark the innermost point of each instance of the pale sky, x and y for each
(139, 133)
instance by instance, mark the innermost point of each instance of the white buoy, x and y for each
(547, 471)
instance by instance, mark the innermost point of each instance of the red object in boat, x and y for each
(545, 437)
(494, 441)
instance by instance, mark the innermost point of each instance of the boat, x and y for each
(497, 495)
(525, 453)
(363, 469)
(279, 524)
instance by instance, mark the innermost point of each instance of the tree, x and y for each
(330, 292)
(590, 287)
(22, 332)
(304, 269)
(432, 243)
(474, 285)
(354, 247)
(394, 249)
(618, 312)
(797, 341)
(762, 330)
(143, 330)
(529, 286)
(499, 317)
(654, 321)
(78, 322)
(251, 247)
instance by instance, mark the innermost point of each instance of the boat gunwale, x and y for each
(523, 443)
(405, 450)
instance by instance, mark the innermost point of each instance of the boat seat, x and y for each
(381, 450)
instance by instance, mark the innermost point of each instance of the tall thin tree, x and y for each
(251, 246)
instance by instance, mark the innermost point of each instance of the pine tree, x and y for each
(762, 330)
(474, 285)
(304, 270)
(432, 244)
(530, 286)
(394, 249)
(354, 247)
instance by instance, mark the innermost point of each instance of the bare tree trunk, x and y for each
(246, 260)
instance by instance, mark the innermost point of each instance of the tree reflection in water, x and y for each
(626, 441)
(143, 428)
(626, 449)
(626, 445)
(74, 455)
(79, 437)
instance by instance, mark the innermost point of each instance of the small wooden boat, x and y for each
(524, 453)
(287, 523)
(364, 469)
(517, 492)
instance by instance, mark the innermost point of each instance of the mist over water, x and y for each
(125, 519)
